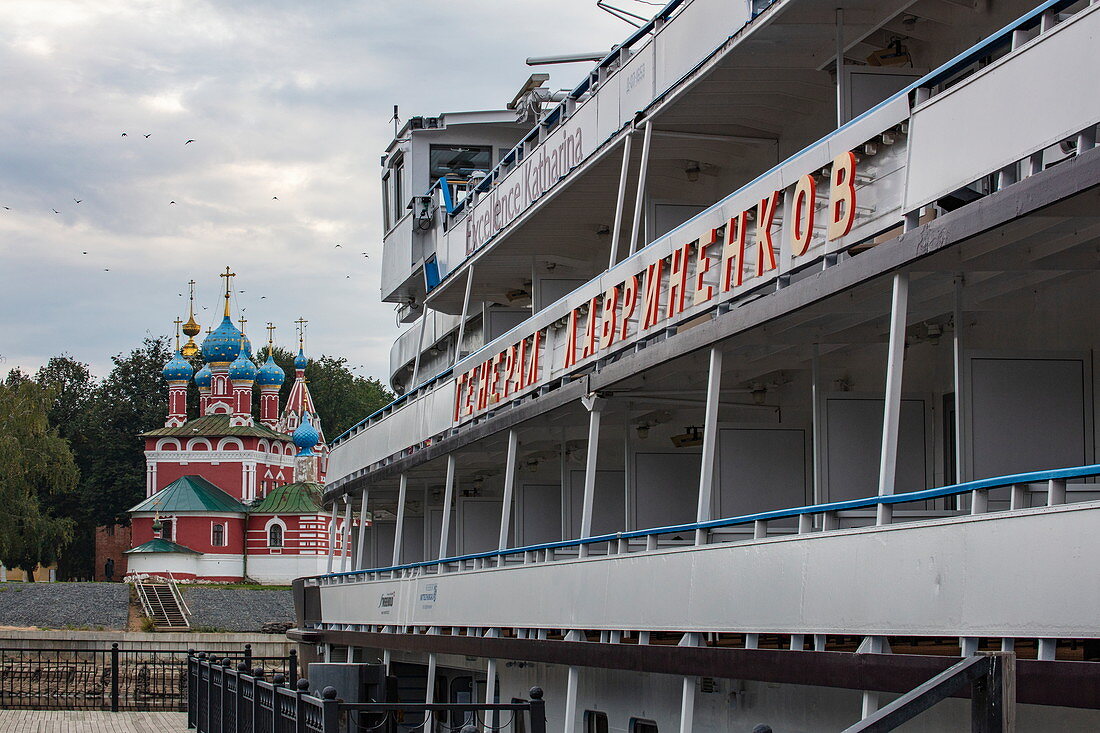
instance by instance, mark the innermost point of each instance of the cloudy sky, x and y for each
(286, 99)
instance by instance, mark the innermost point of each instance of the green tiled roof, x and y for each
(296, 498)
(190, 494)
(214, 426)
(162, 545)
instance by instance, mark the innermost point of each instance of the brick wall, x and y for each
(111, 542)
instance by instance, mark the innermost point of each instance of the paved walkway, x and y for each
(90, 721)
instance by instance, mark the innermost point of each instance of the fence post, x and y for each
(242, 670)
(114, 677)
(199, 689)
(209, 692)
(255, 697)
(330, 711)
(190, 688)
(292, 667)
(301, 687)
(276, 714)
(537, 710)
(248, 655)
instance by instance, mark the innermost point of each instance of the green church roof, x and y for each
(190, 494)
(297, 498)
(214, 426)
(162, 545)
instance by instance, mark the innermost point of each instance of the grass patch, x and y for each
(240, 586)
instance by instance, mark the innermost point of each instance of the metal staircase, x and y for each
(162, 602)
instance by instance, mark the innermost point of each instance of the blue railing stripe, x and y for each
(835, 506)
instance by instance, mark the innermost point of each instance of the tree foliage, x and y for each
(101, 420)
(36, 466)
(342, 398)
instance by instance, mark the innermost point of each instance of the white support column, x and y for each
(419, 348)
(509, 490)
(387, 657)
(710, 445)
(620, 200)
(465, 312)
(332, 536)
(400, 528)
(840, 67)
(687, 695)
(636, 224)
(891, 413)
(594, 405)
(429, 694)
(815, 396)
(360, 543)
(490, 683)
(345, 544)
(448, 499)
(572, 682)
(957, 346)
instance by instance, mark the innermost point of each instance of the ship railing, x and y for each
(983, 496)
(918, 100)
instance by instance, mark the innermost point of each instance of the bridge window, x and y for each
(642, 725)
(459, 160)
(595, 721)
(275, 536)
(217, 535)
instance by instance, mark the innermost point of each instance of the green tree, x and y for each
(132, 399)
(35, 466)
(342, 398)
(73, 389)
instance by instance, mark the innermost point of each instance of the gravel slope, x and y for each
(236, 609)
(65, 605)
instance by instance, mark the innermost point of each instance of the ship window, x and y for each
(217, 535)
(398, 193)
(386, 219)
(595, 721)
(642, 725)
(275, 536)
(459, 160)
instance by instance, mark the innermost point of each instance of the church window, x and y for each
(275, 536)
(217, 535)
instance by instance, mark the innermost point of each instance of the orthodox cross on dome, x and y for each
(228, 275)
(178, 322)
(192, 327)
(301, 328)
(270, 337)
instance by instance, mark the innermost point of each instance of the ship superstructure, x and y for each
(748, 381)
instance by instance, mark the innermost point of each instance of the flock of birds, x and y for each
(170, 203)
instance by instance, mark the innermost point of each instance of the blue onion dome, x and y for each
(203, 377)
(300, 361)
(223, 344)
(177, 370)
(305, 437)
(270, 374)
(242, 369)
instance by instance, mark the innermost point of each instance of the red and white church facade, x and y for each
(230, 498)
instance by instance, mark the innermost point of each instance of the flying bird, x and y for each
(189, 142)
(274, 198)
(263, 297)
(106, 269)
(124, 134)
(148, 136)
(337, 245)
(55, 211)
(83, 253)
(7, 208)
(171, 202)
(78, 200)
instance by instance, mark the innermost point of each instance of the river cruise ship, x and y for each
(747, 382)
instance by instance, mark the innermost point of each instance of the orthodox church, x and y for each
(228, 497)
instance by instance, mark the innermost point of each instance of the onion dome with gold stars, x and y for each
(177, 369)
(224, 344)
(203, 377)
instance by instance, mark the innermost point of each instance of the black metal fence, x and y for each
(109, 678)
(226, 697)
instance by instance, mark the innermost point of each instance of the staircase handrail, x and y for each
(178, 595)
(146, 606)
